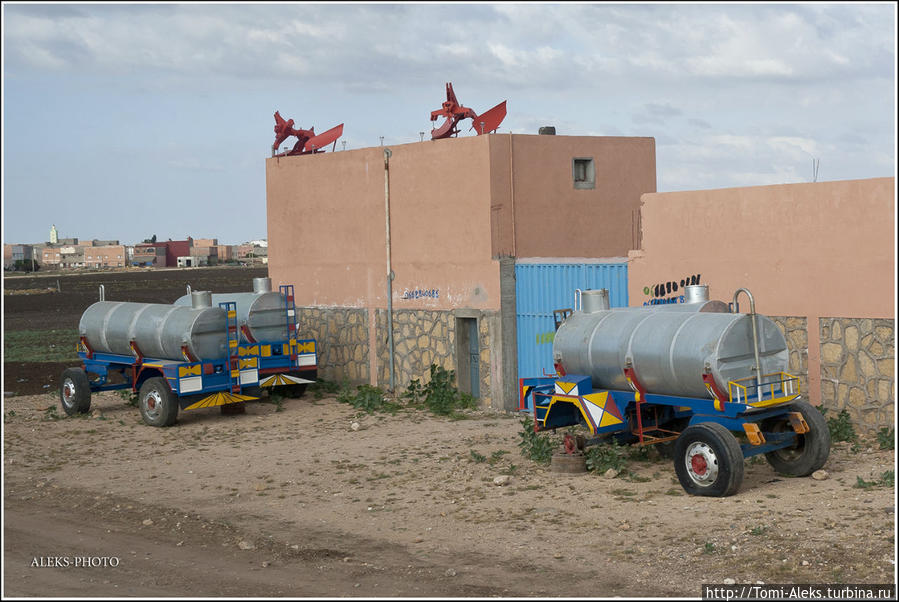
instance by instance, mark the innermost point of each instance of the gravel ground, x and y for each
(298, 502)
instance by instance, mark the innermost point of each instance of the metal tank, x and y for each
(159, 330)
(669, 350)
(262, 311)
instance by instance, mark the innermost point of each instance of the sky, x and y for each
(121, 121)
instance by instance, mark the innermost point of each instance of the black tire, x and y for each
(233, 409)
(158, 405)
(708, 460)
(811, 449)
(291, 391)
(75, 391)
(252, 391)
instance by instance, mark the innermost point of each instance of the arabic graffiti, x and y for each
(418, 293)
(666, 288)
(662, 293)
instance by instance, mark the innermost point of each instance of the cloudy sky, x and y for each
(123, 121)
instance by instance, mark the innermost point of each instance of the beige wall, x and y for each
(450, 199)
(816, 250)
(326, 226)
(105, 256)
(50, 255)
(532, 178)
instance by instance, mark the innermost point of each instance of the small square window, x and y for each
(583, 173)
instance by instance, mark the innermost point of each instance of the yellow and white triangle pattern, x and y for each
(595, 404)
(219, 399)
(283, 379)
(565, 388)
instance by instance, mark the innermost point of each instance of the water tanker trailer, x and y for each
(700, 378)
(186, 356)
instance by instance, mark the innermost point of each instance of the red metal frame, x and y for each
(720, 397)
(246, 333)
(640, 393)
(90, 351)
(307, 140)
(185, 352)
(454, 112)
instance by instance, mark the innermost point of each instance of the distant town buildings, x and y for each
(70, 253)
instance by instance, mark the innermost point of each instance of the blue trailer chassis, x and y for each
(247, 369)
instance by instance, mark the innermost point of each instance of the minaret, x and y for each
(54, 237)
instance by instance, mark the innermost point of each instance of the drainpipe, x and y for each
(387, 154)
(512, 193)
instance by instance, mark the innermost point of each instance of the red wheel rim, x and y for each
(698, 464)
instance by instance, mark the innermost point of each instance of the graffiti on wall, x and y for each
(546, 337)
(433, 293)
(665, 292)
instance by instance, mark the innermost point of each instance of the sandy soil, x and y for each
(297, 503)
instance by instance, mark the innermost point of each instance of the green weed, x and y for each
(322, 387)
(887, 479)
(275, 399)
(533, 445)
(367, 398)
(129, 397)
(497, 456)
(886, 438)
(603, 456)
(509, 470)
(840, 427)
(52, 414)
(440, 395)
(475, 456)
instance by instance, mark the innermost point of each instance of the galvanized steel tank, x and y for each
(669, 350)
(261, 311)
(158, 329)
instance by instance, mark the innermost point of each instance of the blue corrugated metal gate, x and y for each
(542, 287)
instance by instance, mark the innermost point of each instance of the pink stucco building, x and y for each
(460, 211)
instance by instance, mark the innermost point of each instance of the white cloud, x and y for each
(735, 94)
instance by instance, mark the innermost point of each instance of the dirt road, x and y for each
(298, 503)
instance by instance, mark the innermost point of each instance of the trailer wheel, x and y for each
(292, 391)
(810, 450)
(75, 391)
(708, 460)
(158, 406)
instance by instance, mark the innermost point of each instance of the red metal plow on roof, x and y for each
(307, 141)
(454, 112)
